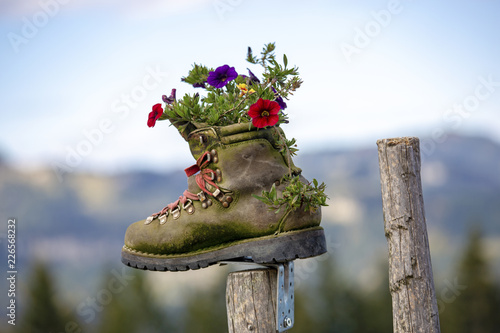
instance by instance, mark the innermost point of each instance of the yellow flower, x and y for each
(244, 90)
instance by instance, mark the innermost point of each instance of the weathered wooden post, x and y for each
(411, 282)
(261, 300)
(254, 290)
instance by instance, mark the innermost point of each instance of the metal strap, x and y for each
(285, 296)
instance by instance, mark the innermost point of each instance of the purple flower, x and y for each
(279, 100)
(170, 99)
(199, 85)
(253, 78)
(221, 76)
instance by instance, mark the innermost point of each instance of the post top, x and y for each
(407, 140)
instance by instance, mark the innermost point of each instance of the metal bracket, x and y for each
(285, 308)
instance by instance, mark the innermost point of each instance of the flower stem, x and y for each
(245, 97)
(234, 108)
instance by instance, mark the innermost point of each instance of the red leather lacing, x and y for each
(204, 176)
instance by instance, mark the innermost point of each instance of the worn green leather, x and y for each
(247, 161)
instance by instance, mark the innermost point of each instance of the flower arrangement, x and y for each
(234, 98)
(238, 98)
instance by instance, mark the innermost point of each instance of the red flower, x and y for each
(264, 113)
(155, 115)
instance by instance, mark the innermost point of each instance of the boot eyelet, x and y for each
(214, 155)
(188, 203)
(176, 213)
(149, 220)
(188, 207)
(219, 175)
(163, 219)
(216, 193)
(202, 196)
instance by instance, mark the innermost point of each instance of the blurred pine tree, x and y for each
(44, 312)
(332, 305)
(375, 315)
(206, 310)
(134, 309)
(471, 302)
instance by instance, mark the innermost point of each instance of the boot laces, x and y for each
(204, 176)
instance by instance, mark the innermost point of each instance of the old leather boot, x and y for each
(217, 218)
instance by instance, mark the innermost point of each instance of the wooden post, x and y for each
(251, 301)
(411, 282)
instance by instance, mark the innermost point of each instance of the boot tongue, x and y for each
(192, 186)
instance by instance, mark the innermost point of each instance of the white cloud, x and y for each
(129, 8)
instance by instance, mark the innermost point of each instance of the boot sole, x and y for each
(272, 249)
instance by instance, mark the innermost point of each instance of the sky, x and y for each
(78, 78)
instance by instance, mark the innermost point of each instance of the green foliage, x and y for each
(267, 55)
(229, 105)
(197, 75)
(274, 72)
(296, 194)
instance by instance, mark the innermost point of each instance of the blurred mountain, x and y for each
(461, 189)
(81, 220)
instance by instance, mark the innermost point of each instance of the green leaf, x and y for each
(285, 60)
(258, 197)
(273, 193)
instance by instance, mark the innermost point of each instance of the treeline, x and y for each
(469, 301)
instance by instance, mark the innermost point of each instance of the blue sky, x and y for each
(79, 77)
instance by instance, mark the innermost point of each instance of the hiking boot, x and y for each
(217, 218)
